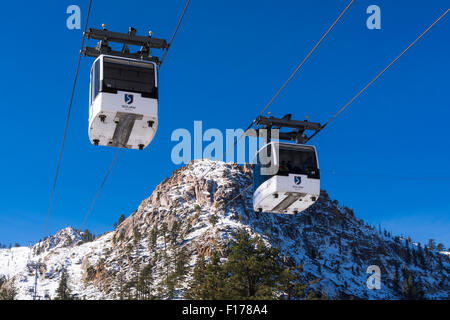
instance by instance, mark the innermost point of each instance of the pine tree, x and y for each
(163, 231)
(289, 284)
(121, 219)
(407, 255)
(153, 236)
(136, 236)
(208, 279)
(127, 290)
(412, 290)
(63, 292)
(120, 285)
(174, 232)
(166, 287)
(395, 282)
(252, 271)
(145, 283)
(87, 236)
(409, 291)
(432, 244)
(196, 288)
(170, 283)
(181, 263)
(420, 256)
(317, 295)
(214, 282)
(213, 219)
(419, 290)
(238, 278)
(253, 268)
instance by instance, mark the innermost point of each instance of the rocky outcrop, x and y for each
(192, 212)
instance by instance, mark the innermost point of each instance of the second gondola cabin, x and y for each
(286, 178)
(123, 102)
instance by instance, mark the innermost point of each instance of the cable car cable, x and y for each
(359, 93)
(64, 137)
(288, 80)
(242, 192)
(174, 33)
(302, 63)
(100, 189)
(271, 101)
(67, 121)
(115, 158)
(379, 75)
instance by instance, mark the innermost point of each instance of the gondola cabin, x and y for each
(286, 178)
(123, 102)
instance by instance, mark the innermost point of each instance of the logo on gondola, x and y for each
(128, 98)
(298, 180)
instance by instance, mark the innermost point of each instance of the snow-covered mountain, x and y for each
(334, 247)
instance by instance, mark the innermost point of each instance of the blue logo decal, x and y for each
(128, 98)
(297, 180)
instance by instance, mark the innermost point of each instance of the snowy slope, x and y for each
(333, 246)
(57, 255)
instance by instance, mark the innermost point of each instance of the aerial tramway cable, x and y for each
(379, 75)
(360, 92)
(63, 142)
(174, 33)
(303, 62)
(67, 121)
(286, 82)
(100, 189)
(270, 102)
(117, 154)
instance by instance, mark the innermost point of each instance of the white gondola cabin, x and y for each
(123, 102)
(286, 178)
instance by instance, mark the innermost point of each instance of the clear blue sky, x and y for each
(227, 61)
